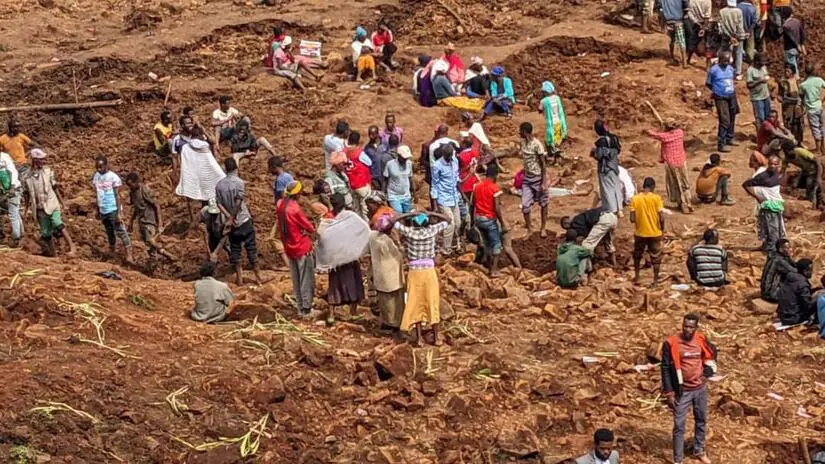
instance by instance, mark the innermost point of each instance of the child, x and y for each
(146, 211)
(106, 184)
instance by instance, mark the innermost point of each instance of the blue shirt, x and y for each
(509, 93)
(281, 182)
(376, 154)
(820, 311)
(749, 16)
(673, 10)
(444, 189)
(105, 185)
(720, 81)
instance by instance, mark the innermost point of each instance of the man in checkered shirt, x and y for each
(679, 189)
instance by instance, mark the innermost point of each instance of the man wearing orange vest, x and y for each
(688, 360)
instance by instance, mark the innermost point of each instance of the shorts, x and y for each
(366, 62)
(676, 32)
(533, 191)
(51, 225)
(653, 245)
(147, 231)
(815, 121)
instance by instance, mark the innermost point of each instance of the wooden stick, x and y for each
(655, 113)
(803, 447)
(453, 14)
(74, 86)
(168, 91)
(62, 106)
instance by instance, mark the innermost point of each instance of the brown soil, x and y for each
(510, 382)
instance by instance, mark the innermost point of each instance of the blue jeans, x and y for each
(738, 53)
(490, 233)
(791, 58)
(401, 205)
(761, 110)
(502, 106)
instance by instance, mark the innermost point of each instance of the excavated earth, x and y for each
(148, 385)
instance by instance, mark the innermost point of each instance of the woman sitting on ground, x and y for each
(287, 65)
(362, 49)
(502, 95)
(383, 43)
(455, 69)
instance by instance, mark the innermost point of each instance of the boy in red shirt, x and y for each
(485, 209)
(358, 172)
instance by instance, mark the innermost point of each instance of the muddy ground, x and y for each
(510, 382)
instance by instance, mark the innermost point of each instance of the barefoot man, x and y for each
(533, 188)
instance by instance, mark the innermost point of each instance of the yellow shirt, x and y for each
(646, 206)
(15, 147)
(167, 134)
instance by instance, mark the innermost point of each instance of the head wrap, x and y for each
(286, 42)
(732, 3)
(360, 33)
(337, 158)
(384, 223)
(424, 60)
(548, 87)
(404, 152)
(601, 127)
(37, 153)
(293, 188)
(497, 71)
(440, 66)
(420, 219)
(476, 60)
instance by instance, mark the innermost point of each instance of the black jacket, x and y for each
(795, 301)
(670, 377)
(777, 266)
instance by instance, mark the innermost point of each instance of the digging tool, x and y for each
(62, 106)
(168, 92)
(803, 448)
(655, 113)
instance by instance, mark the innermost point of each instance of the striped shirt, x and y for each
(708, 264)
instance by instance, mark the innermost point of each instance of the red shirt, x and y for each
(464, 160)
(381, 38)
(673, 147)
(358, 173)
(690, 353)
(764, 135)
(297, 241)
(484, 198)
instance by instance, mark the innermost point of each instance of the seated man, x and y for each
(778, 264)
(572, 262)
(770, 130)
(708, 262)
(809, 166)
(596, 226)
(712, 183)
(244, 143)
(212, 297)
(161, 134)
(603, 452)
(225, 120)
(796, 306)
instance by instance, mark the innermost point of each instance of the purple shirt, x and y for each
(385, 136)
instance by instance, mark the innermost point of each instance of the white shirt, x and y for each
(228, 117)
(356, 49)
(434, 146)
(627, 183)
(477, 131)
(332, 143)
(5, 160)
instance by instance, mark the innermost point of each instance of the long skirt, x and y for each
(423, 297)
(771, 228)
(391, 307)
(346, 285)
(611, 191)
(679, 190)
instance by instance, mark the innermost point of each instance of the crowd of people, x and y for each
(363, 209)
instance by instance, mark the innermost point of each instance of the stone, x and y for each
(473, 296)
(760, 306)
(270, 391)
(769, 415)
(518, 443)
(396, 362)
(620, 399)
(429, 387)
(519, 294)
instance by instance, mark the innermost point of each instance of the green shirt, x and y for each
(567, 264)
(804, 160)
(811, 89)
(760, 92)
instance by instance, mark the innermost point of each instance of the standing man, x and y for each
(375, 150)
(11, 193)
(148, 215)
(758, 85)
(106, 183)
(279, 185)
(603, 452)
(646, 212)
(793, 40)
(720, 83)
(750, 21)
(230, 194)
(707, 261)
(712, 183)
(296, 232)
(398, 181)
(688, 360)
(732, 30)
(485, 209)
(391, 129)
(336, 177)
(336, 141)
(442, 137)
(533, 188)
(674, 158)
(699, 13)
(444, 193)
(811, 90)
(673, 12)
(765, 189)
(44, 198)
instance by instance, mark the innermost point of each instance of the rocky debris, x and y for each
(270, 391)
(142, 20)
(397, 362)
(520, 443)
(760, 306)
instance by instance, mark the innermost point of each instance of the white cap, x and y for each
(404, 152)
